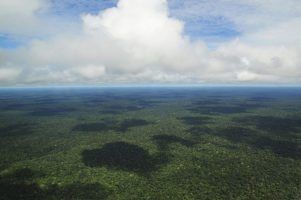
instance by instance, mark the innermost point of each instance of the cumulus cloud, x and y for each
(139, 42)
(25, 19)
(19, 16)
(91, 72)
(8, 74)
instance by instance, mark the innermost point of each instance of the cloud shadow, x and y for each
(21, 185)
(257, 140)
(123, 156)
(107, 125)
(17, 129)
(199, 120)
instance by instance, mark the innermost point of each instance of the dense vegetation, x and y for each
(150, 143)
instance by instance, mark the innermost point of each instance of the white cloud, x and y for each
(30, 18)
(246, 76)
(19, 16)
(130, 38)
(286, 33)
(8, 74)
(138, 42)
(91, 72)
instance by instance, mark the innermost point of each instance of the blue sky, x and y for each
(8, 41)
(237, 42)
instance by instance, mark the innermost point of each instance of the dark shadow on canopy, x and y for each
(199, 120)
(123, 156)
(272, 124)
(23, 128)
(21, 185)
(107, 125)
(240, 135)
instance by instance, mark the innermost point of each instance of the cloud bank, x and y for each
(139, 42)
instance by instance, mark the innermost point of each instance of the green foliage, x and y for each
(197, 143)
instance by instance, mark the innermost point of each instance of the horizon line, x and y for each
(151, 86)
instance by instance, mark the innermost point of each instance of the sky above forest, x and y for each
(59, 42)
